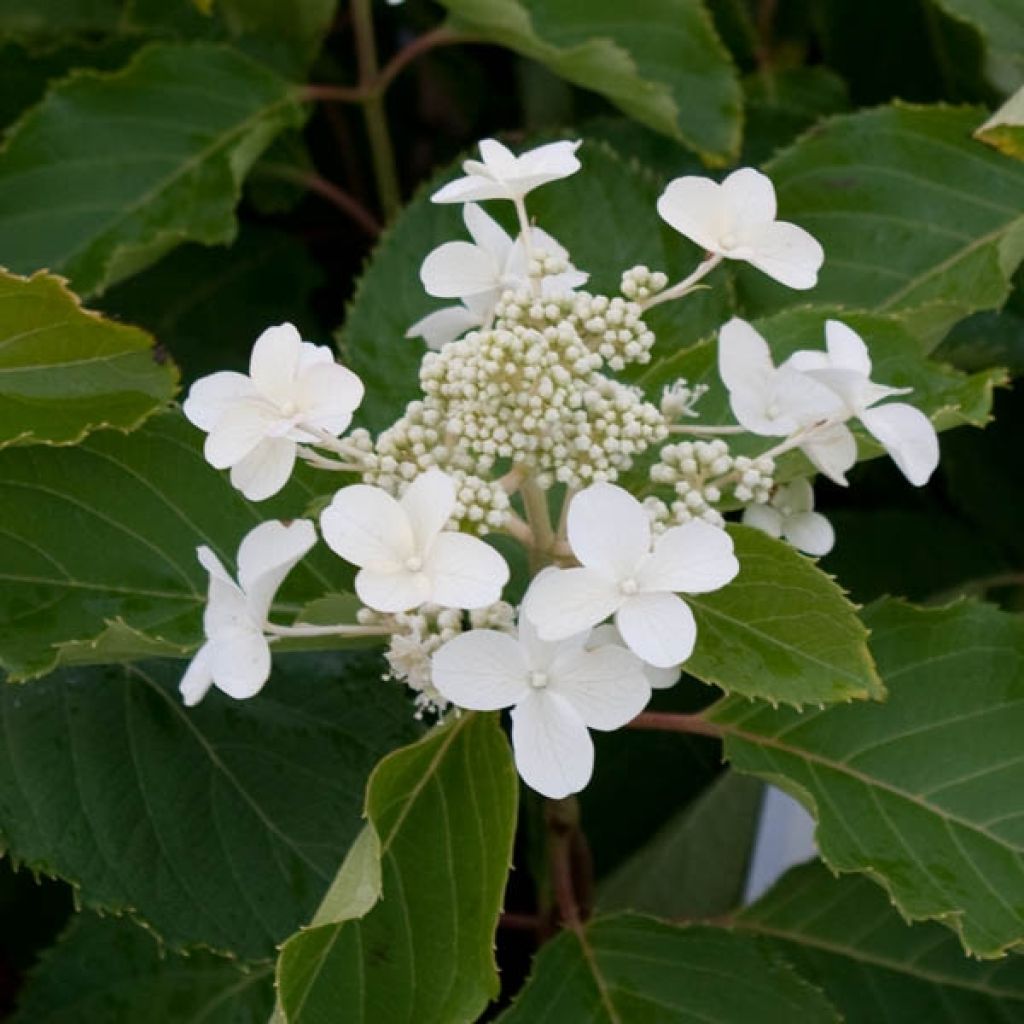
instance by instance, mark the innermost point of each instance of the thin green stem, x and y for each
(677, 291)
(303, 629)
(538, 516)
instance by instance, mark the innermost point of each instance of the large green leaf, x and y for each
(97, 546)
(113, 169)
(1002, 27)
(627, 231)
(660, 61)
(922, 793)
(696, 866)
(407, 930)
(65, 371)
(845, 937)
(628, 969)
(781, 631)
(113, 971)
(189, 818)
(911, 210)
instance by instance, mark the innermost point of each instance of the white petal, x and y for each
(266, 555)
(274, 363)
(488, 234)
(428, 503)
(563, 602)
(211, 396)
(659, 628)
(457, 269)
(908, 436)
(198, 678)
(553, 750)
(482, 670)
(551, 162)
(472, 188)
(801, 399)
(445, 325)
(498, 158)
(265, 470)
(608, 635)
(788, 254)
(764, 518)
(328, 394)
(796, 496)
(392, 590)
(811, 532)
(213, 565)
(694, 207)
(240, 428)
(240, 663)
(832, 452)
(464, 571)
(749, 199)
(808, 359)
(846, 348)
(311, 355)
(367, 527)
(541, 653)
(695, 558)
(609, 530)
(746, 368)
(607, 687)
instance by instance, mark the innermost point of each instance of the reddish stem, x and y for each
(667, 721)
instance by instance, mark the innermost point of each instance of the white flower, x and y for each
(556, 690)
(254, 423)
(791, 515)
(406, 558)
(503, 175)
(736, 220)
(904, 432)
(236, 655)
(607, 635)
(478, 272)
(782, 401)
(610, 534)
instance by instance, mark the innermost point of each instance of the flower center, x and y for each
(773, 411)
(538, 680)
(628, 587)
(288, 409)
(414, 563)
(729, 240)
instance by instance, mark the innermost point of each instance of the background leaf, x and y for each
(631, 968)
(1002, 27)
(149, 156)
(189, 818)
(922, 792)
(65, 371)
(442, 816)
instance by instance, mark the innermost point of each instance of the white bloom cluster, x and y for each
(521, 412)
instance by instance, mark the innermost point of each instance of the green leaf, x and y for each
(1004, 130)
(65, 371)
(97, 550)
(437, 852)
(112, 170)
(843, 936)
(188, 819)
(696, 866)
(660, 61)
(1002, 27)
(912, 212)
(113, 971)
(208, 305)
(781, 631)
(635, 969)
(922, 793)
(390, 297)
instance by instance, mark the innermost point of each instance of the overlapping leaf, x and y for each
(406, 932)
(660, 61)
(110, 970)
(104, 535)
(922, 793)
(844, 936)
(111, 170)
(631, 968)
(189, 818)
(1002, 27)
(65, 371)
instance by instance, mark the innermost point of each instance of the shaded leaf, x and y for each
(1002, 28)
(905, 791)
(65, 371)
(436, 852)
(111, 170)
(111, 970)
(660, 61)
(631, 968)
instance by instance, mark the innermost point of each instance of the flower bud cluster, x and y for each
(641, 282)
(679, 400)
(613, 328)
(754, 479)
(417, 635)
